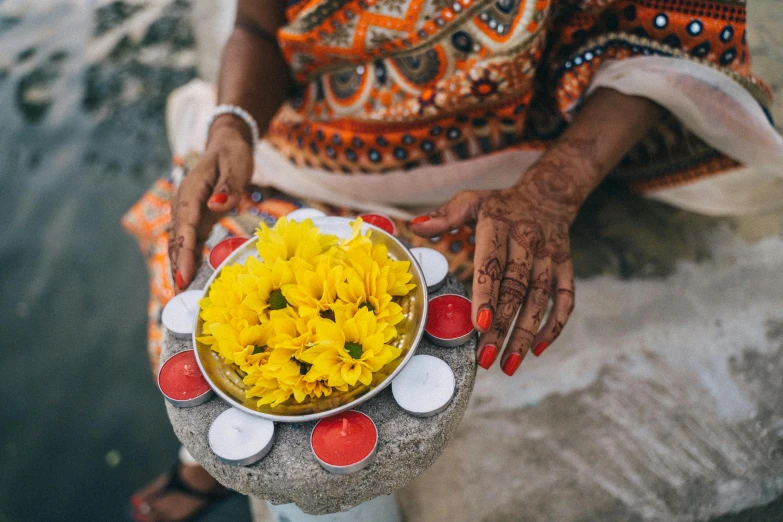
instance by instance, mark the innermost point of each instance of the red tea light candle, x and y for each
(304, 213)
(434, 266)
(181, 382)
(345, 443)
(379, 220)
(425, 386)
(240, 439)
(448, 320)
(179, 314)
(224, 249)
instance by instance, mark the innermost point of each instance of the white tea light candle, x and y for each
(179, 314)
(433, 264)
(304, 213)
(241, 439)
(424, 387)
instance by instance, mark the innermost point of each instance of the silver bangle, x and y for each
(240, 113)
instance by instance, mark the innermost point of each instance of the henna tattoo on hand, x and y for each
(491, 270)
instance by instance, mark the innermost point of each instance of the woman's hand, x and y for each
(210, 190)
(523, 253)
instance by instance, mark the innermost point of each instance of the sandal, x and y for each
(141, 510)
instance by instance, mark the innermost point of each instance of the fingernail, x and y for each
(135, 501)
(219, 198)
(180, 280)
(512, 363)
(540, 347)
(487, 357)
(420, 219)
(484, 319)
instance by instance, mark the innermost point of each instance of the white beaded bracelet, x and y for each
(239, 112)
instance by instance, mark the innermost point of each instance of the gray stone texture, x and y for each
(290, 474)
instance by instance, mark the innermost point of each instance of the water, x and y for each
(82, 93)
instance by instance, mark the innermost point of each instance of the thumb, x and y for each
(230, 184)
(460, 210)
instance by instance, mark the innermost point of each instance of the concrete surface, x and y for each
(290, 474)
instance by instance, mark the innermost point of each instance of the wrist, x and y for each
(229, 124)
(563, 177)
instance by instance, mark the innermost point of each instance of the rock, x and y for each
(290, 474)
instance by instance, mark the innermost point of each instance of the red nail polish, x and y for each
(487, 357)
(219, 198)
(540, 347)
(420, 219)
(512, 363)
(179, 279)
(484, 319)
(135, 501)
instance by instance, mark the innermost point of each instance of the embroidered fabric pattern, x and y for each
(396, 84)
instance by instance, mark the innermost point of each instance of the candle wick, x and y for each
(449, 310)
(344, 431)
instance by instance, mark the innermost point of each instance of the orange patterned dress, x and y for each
(395, 85)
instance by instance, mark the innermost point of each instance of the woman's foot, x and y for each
(179, 495)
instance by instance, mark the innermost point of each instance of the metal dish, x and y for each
(226, 379)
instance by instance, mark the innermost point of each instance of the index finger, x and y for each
(188, 224)
(489, 262)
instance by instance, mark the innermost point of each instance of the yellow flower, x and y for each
(357, 240)
(288, 239)
(398, 274)
(370, 292)
(244, 347)
(351, 351)
(288, 379)
(268, 389)
(223, 304)
(262, 285)
(312, 316)
(315, 290)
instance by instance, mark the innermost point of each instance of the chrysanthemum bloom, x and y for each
(244, 347)
(398, 275)
(268, 389)
(263, 283)
(289, 239)
(288, 379)
(350, 350)
(370, 292)
(315, 289)
(223, 304)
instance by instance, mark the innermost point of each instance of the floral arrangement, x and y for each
(315, 314)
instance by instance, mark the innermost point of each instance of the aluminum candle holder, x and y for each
(240, 439)
(223, 249)
(449, 321)
(433, 264)
(180, 312)
(345, 443)
(181, 382)
(424, 387)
